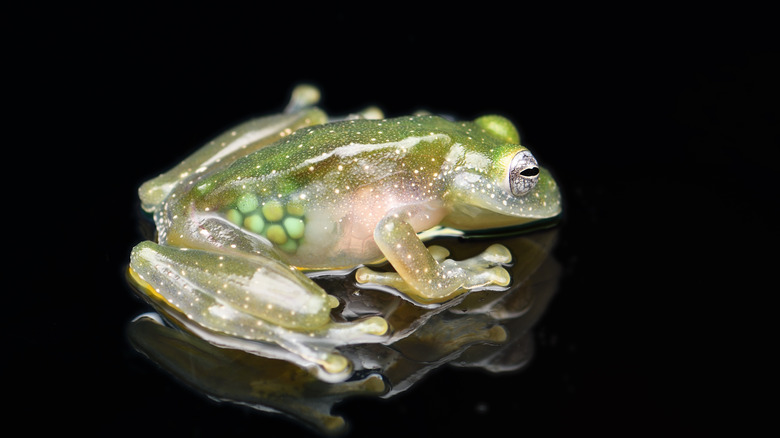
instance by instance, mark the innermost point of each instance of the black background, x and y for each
(659, 123)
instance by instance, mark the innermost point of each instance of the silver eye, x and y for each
(523, 173)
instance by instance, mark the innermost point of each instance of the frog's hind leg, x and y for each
(249, 298)
(237, 142)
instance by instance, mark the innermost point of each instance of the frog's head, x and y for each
(495, 182)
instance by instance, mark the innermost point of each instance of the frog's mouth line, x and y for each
(528, 227)
(513, 230)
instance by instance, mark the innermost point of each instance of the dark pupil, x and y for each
(532, 171)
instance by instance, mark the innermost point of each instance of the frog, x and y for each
(245, 222)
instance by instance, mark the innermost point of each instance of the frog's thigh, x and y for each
(254, 298)
(203, 284)
(422, 275)
(237, 142)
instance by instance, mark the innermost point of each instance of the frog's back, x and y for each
(314, 156)
(311, 145)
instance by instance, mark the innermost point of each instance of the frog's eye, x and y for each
(523, 173)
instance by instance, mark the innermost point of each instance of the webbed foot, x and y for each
(482, 270)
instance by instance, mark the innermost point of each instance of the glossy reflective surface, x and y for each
(487, 329)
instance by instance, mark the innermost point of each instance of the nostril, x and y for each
(531, 171)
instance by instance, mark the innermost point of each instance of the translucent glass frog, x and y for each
(241, 220)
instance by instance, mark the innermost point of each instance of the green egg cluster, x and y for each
(282, 224)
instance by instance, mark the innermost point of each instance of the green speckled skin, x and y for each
(308, 194)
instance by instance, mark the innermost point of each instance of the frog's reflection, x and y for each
(489, 329)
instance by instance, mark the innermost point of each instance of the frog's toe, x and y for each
(368, 275)
(336, 364)
(497, 253)
(439, 253)
(375, 325)
(303, 96)
(497, 275)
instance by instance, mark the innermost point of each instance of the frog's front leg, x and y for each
(249, 297)
(427, 276)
